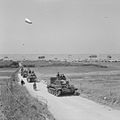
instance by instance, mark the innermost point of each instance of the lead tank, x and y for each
(60, 86)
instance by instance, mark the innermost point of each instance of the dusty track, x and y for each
(72, 107)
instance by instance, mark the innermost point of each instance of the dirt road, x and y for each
(72, 107)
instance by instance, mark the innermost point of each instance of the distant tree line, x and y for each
(9, 64)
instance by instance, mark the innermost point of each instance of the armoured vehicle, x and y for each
(32, 77)
(24, 73)
(60, 86)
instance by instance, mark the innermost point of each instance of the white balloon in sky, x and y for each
(28, 21)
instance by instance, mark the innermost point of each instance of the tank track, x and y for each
(54, 92)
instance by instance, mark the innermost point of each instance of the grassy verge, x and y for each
(102, 89)
(18, 104)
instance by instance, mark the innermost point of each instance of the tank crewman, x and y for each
(34, 86)
(63, 77)
(29, 71)
(58, 75)
(67, 83)
(63, 82)
(22, 82)
(32, 73)
(22, 69)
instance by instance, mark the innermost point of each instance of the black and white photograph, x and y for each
(59, 60)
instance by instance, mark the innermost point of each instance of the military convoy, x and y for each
(60, 86)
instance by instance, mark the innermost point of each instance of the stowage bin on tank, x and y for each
(59, 86)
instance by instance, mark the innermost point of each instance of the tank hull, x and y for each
(61, 91)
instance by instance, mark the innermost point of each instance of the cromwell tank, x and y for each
(60, 86)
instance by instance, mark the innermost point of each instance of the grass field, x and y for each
(75, 72)
(98, 84)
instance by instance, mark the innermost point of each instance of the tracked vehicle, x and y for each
(32, 77)
(60, 86)
(24, 73)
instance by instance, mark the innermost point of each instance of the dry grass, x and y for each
(103, 89)
(17, 104)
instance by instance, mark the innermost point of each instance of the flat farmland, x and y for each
(78, 72)
(98, 84)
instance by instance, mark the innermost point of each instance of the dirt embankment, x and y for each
(18, 104)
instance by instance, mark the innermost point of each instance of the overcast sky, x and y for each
(60, 26)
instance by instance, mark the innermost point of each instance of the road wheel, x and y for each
(73, 92)
(28, 80)
(55, 93)
(48, 90)
(52, 92)
(58, 93)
